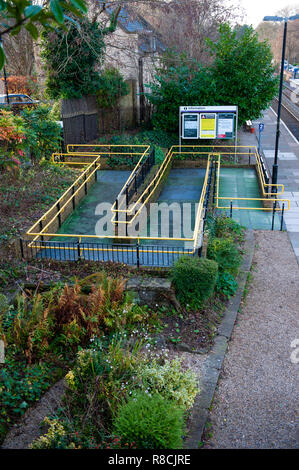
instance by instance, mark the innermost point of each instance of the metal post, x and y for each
(59, 215)
(127, 197)
(282, 214)
(4, 75)
(249, 157)
(236, 134)
(78, 250)
(22, 247)
(5, 84)
(231, 209)
(137, 253)
(85, 185)
(275, 165)
(40, 228)
(273, 215)
(180, 131)
(96, 172)
(116, 216)
(73, 198)
(259, 145)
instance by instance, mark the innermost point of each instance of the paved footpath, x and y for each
(257, 396)
(288, 167)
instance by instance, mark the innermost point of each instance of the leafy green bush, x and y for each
(103, 374)
(226, 284)
(42, 132)
(70, 54)
(150, 137)
(226, 227)
(225, 253)
(55, 111)
(170, 381)
(20, 386)
(151, 422)
(112, 87)
(194, 279)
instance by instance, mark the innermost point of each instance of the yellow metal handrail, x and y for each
(155, 181)
(95, 165)
(245, 198)
(199, 215)
(147, 193)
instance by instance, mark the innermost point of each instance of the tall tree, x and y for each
(273, 33)
(240, 74)
(16, 15)
(185, 24)
(19, 53)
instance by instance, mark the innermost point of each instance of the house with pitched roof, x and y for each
(134, 49)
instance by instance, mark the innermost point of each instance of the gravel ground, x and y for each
(256, 402)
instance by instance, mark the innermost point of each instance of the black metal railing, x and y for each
(138, 177)
(265, 173)
(133, 254)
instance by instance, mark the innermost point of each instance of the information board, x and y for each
(225, 129)
(208, 122)
(207, 126)
(190, 126)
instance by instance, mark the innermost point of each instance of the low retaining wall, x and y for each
(153, 291)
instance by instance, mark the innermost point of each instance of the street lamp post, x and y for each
(275, 164)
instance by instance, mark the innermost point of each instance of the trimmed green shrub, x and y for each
(226, 284)
(225, 253)
(194, 279)
(151, 422)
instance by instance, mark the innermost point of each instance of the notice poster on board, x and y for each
(225, 126)
(190, 126)
(207, 126)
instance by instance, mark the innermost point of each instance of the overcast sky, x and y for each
(257, 9)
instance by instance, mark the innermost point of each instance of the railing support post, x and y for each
(116, 216)
(273, 215)
(85, 185)
(96, 172)
(40, 228)
(78, 250)
(22, 247)
(282, 214)
(73, 198)
(137, 254)
(231, 209)
(59, 214)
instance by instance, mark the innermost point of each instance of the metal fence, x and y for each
(133, 254)
(137, 178)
